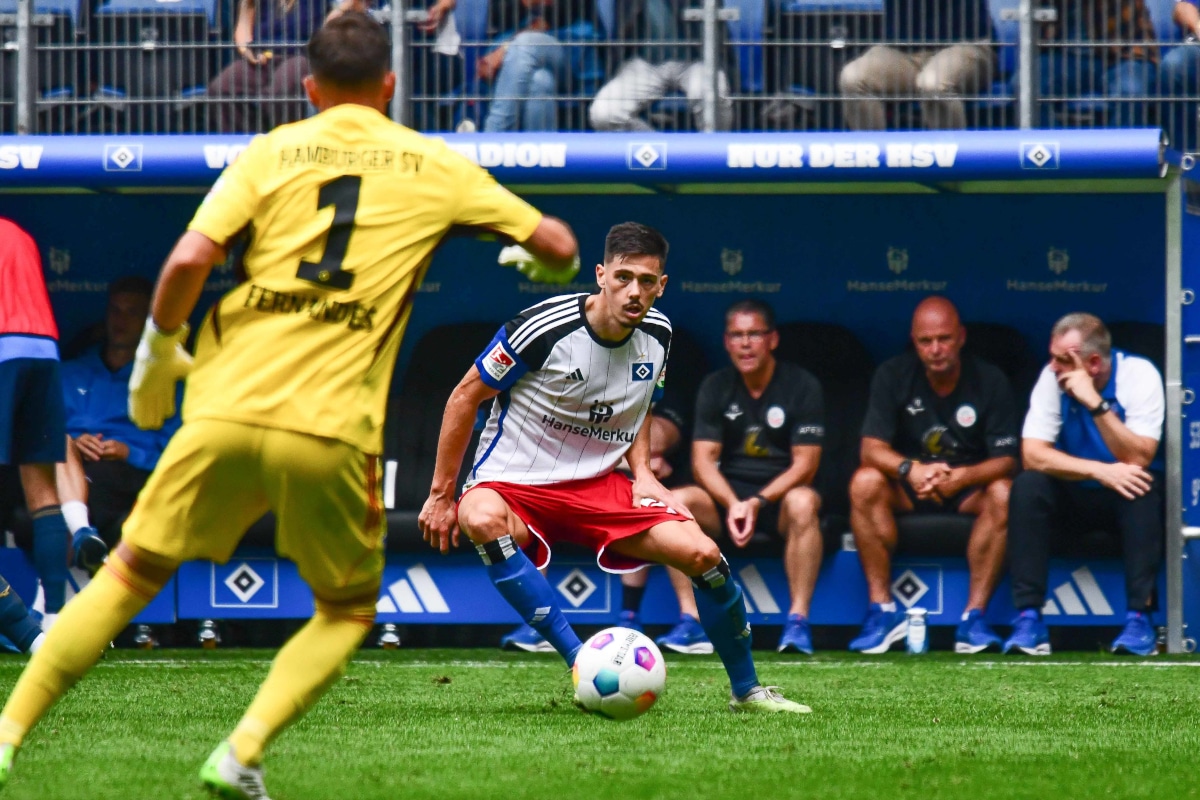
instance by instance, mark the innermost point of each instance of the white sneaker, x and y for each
(226, 777)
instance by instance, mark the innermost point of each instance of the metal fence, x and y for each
(158, 66)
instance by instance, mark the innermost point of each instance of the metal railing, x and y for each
(148, 66)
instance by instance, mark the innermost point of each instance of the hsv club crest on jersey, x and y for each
(570, 403)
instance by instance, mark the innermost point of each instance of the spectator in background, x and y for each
(1180, 74)
(757, 443)
(32, 416)
(263, 87)
(655, 60)
(937, 51)
(940, 435)
(530, 66)
(1100, 48)
(1090, 446)
(109, 458)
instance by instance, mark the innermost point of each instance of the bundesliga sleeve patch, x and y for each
(500, 366)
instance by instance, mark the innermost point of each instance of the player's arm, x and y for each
(647, 489)
(880, 455)
(438, 519)
(554, 244)
(706, 457)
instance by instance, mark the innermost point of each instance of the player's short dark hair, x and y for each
(131, 284)
(634, 239)
(350, 51)
(752, 306)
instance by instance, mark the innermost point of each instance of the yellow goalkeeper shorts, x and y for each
(216, 478)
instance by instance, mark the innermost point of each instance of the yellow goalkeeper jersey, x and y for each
(343, 211)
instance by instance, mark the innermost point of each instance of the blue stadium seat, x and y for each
(471, 21)
(56, 26)
(162, 57)
(746, 38)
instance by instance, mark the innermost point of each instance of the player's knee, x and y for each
(703, 556)
(482, 520)
(995, 498)
(868, 487)
(800, 505)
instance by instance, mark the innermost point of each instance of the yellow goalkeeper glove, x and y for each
(159, 363)
(531, 267)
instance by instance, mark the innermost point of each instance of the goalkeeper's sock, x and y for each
(51, 553)
(303, 670)
(76, 642)
(528, 591)
(723, 615)
(15, 621)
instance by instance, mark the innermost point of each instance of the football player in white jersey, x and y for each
(571, 381)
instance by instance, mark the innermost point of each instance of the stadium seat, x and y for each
(999, 108)
(1005, 347)
(157, 58)
(56, 26)
(840, 361)
(1146, 339)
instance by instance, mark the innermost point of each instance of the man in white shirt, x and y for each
(1090, 447)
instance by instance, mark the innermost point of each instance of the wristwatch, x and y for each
(904, 468)
(1101, 409)
(762, 501)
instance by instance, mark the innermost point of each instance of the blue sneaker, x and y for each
(1030, 635)
(526, 638)
(629, 619)
(796, 636)
(880, 631)
(688, 637)
(89, 550)
(1138, 637)
(974, 635)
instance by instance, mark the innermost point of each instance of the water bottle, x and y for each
(917, 641)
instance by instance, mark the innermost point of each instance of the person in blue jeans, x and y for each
(1180, 75)
(531, 65)
(1099, 48)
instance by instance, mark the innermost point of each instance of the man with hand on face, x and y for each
(940, 435)
(1090, 446)
(571, 382)
(757, 443)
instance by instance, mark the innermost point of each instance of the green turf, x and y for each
(481, 724)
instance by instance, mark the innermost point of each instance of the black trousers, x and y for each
(1042, 508)
(113, 487)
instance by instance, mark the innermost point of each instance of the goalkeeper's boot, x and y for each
(766, 700)
(226, 777)
(7, 753)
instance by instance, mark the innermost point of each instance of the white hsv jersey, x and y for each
(570, 403)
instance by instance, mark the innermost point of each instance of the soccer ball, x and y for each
(619, 673)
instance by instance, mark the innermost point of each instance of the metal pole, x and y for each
(711, 71)
(1174, 426)
(26, 120)
(401, 58)
(1026, 65)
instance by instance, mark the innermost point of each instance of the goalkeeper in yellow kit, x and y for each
(285, 402)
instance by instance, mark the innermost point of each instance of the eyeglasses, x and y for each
(751, 336)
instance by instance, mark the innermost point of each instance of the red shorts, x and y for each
(593, 512)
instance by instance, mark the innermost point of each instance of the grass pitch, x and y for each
(481, 724)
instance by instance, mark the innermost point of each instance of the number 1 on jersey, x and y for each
(342, 194)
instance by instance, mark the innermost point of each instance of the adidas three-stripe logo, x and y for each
(577, 375)
(1069, 600)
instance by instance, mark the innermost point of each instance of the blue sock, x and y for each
(527, 590)
(51, 544)
(15, 622)
(723, 615)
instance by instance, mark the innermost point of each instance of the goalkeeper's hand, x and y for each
(531, 267)
(159, 363)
